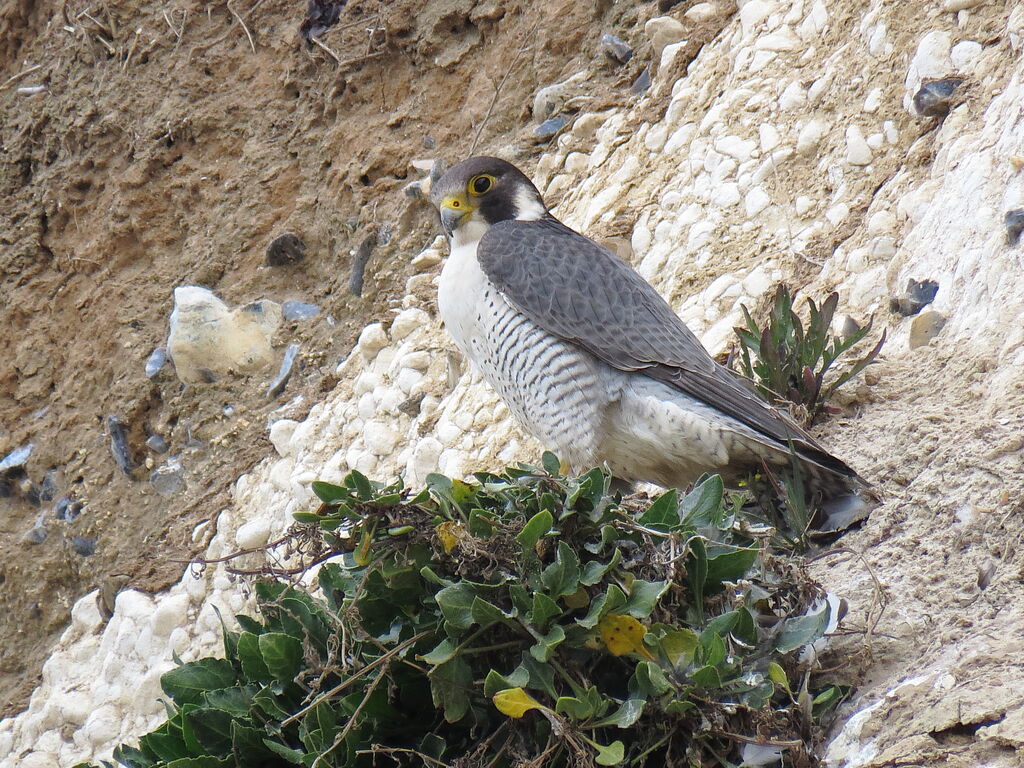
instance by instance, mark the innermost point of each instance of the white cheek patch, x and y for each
(528, 207)
(470, 231)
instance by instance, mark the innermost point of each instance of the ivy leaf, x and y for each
(562, 577)
(449, 533)
(680, 646)
(535, 528)
(663, 514)
(696, 575)
(707, 677)
(679, 707)
(623, 634)
(456, 604)
(449, 684)
(187, 683)
(611, 600)
(515, 702)
(543, 609)
(551, 463)
(546, 644)
(494, 682)
(801, 630)
(643, 597)
(594, 570)
(575, 708)
(649, 680)
(485, 613)
(729, 566)
(613, 754)
(282, 654)
(778, 675)
(626, 715)
(442, 652)
(703, 505)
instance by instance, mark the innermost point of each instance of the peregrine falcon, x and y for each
(589, 358)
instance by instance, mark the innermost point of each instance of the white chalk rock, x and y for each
(664, 31)
(252, 534)
(172, 612)
(379, 438)
(857, 150)
(810, 136)
(964, 54)
(207, 340)
(407, 321)
(959, 5)
(550, 99)
(372, 340)
(281, 432)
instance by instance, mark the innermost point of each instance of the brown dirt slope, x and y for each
(170, 143)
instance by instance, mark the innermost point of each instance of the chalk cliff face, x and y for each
(786, 148)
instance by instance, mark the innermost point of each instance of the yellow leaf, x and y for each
(515, 702)
(577, 599)
(778, 675)
(449, 533)
(362, 553)
(624, 634)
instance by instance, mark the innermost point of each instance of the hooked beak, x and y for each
(452, 216)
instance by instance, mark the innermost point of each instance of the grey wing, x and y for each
(582, 292)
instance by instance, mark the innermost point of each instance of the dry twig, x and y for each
(14, 78)
(242, 22)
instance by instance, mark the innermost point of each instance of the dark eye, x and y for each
(481, 184)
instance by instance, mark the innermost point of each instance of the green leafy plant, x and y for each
(525, 619)
(789, 363)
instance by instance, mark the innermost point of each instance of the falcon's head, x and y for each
(482, 191)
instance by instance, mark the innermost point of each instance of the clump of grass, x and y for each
(789, 363)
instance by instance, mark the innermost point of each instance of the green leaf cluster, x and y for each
(527, 616)
(789, 363)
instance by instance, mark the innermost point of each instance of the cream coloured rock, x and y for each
(663, 31)
(810, 136)
(407, 321)
(857, 150)
(207, 340)
(281, 432)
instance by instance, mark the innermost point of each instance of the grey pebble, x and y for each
(642, 82)
(168, 479)
(83, 547)
(919, 294)
(933, 98)
(278, 384)
(550, 127)
(156, 360)
(16, 458)
(157, 444)
(119, 444)
(616, 48)
(299, 310)
(1014, 223)
(67, 509)
(285, 250)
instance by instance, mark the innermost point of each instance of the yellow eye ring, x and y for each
(481, 185)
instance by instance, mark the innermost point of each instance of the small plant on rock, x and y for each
(525, 619)
(789, 363)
